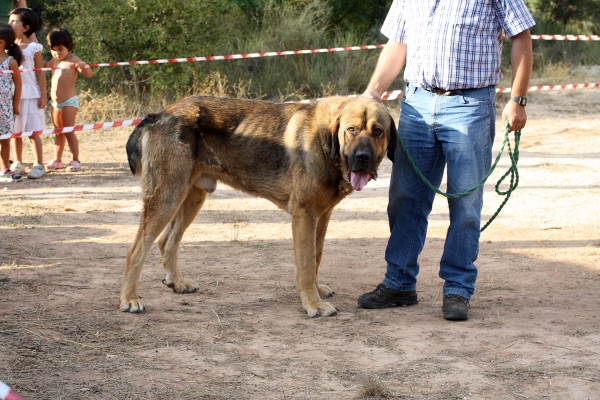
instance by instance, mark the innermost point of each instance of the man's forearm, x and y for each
(521, 59)
(390, 63)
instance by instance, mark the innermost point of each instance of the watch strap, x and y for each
(522, 101)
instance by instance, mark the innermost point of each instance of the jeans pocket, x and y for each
(478, 97)
(469, 102)
(473, 101)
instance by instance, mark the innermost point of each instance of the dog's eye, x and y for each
(377, 132)
(351, 130)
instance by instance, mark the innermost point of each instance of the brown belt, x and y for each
(442, 92)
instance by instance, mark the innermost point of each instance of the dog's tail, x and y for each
(134, 144)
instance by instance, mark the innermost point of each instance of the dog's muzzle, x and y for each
(361, 169)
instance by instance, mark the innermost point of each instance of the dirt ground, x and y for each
(533, 331)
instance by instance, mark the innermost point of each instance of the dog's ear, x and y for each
(393, 143)
(333, 141)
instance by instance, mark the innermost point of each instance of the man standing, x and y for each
(452, 51)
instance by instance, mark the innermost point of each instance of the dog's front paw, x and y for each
(182, 286)
(322, 308)
(325, 291)
(132, 305)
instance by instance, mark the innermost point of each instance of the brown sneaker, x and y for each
(455, 307)
(383, 297)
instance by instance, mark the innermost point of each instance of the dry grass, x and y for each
(455, 391)
(218, 84)
(577, 332)
(373, 387)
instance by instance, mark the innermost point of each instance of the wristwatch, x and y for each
(522, 101)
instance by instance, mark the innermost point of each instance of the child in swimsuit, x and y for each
(63, 96)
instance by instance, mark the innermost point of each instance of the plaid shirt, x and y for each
(454, 44)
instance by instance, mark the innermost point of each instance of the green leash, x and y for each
(512, 171)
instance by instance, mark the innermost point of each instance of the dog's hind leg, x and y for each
(324, 290)
(169, 241)
(159, 208)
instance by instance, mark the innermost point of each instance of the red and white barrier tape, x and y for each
(277, 53)
(89, 127)
(396, 94)
(557, 87)
(565, 37)
(390, 95)
(211, 58)
(6, 393)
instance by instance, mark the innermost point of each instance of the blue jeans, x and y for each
(455, 131)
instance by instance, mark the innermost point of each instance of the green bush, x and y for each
(558, 17)
(126, 30)
(299, 25)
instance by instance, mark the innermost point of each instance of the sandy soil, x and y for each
(534, 326)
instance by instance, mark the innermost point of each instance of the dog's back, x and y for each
(239, 142)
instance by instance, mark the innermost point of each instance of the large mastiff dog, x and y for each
(305, 158)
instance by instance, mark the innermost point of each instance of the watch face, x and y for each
(522, 101)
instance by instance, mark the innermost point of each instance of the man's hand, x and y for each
(372, 94)
(390, 63)
(516, 116)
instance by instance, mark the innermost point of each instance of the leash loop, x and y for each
(512, 171)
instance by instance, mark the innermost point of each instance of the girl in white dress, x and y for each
(25, 22)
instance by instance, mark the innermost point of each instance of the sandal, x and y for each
(74, 166)
(53, 165)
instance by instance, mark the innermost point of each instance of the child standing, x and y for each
(62, 93)
(10, 96)
(26, 22)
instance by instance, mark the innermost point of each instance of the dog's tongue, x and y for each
(358, 179)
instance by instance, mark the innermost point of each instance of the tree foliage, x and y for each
(125, 30)
(570, 11)
(298, 25)
(359, 15)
